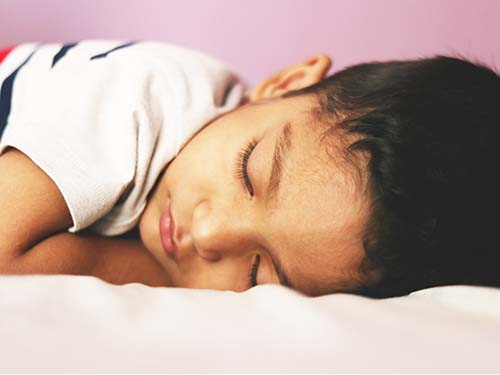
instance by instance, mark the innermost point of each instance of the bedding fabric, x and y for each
(81, 324)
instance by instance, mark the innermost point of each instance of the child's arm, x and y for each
(113, 259)
(31, 206)
(33, 218)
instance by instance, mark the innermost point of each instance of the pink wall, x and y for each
(258, 37)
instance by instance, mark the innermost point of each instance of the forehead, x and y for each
(320, 212)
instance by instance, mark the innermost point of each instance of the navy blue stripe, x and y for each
(6, 95)
(229, 87)
(112, 50)
(62, 52)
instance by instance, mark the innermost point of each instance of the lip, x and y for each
(167, 230)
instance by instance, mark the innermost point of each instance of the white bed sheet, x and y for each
(81, 324)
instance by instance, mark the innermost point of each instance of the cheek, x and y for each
(196, 155)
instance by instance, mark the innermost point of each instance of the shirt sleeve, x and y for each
(75, 119)
(103, 118)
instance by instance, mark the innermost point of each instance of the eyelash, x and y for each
(252, 276)
(242, 175)
(241, 166)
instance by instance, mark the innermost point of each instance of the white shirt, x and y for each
(104, 118)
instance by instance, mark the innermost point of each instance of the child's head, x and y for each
(387, 182)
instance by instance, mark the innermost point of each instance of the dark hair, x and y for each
(431, 128)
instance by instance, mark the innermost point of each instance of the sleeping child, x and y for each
(148, 162)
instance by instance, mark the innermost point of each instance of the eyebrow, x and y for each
(281, 152)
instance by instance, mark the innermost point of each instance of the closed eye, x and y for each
(241, 165)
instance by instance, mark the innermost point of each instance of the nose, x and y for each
(220, 230)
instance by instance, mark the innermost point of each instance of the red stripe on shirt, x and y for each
(4, 52)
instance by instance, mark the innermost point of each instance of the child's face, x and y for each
(313, 226)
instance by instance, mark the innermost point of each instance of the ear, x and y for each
(293, 77)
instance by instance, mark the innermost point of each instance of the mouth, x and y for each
(167, 230)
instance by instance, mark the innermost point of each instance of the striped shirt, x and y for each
(103, 118)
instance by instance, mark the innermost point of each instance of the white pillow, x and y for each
(81, 324)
